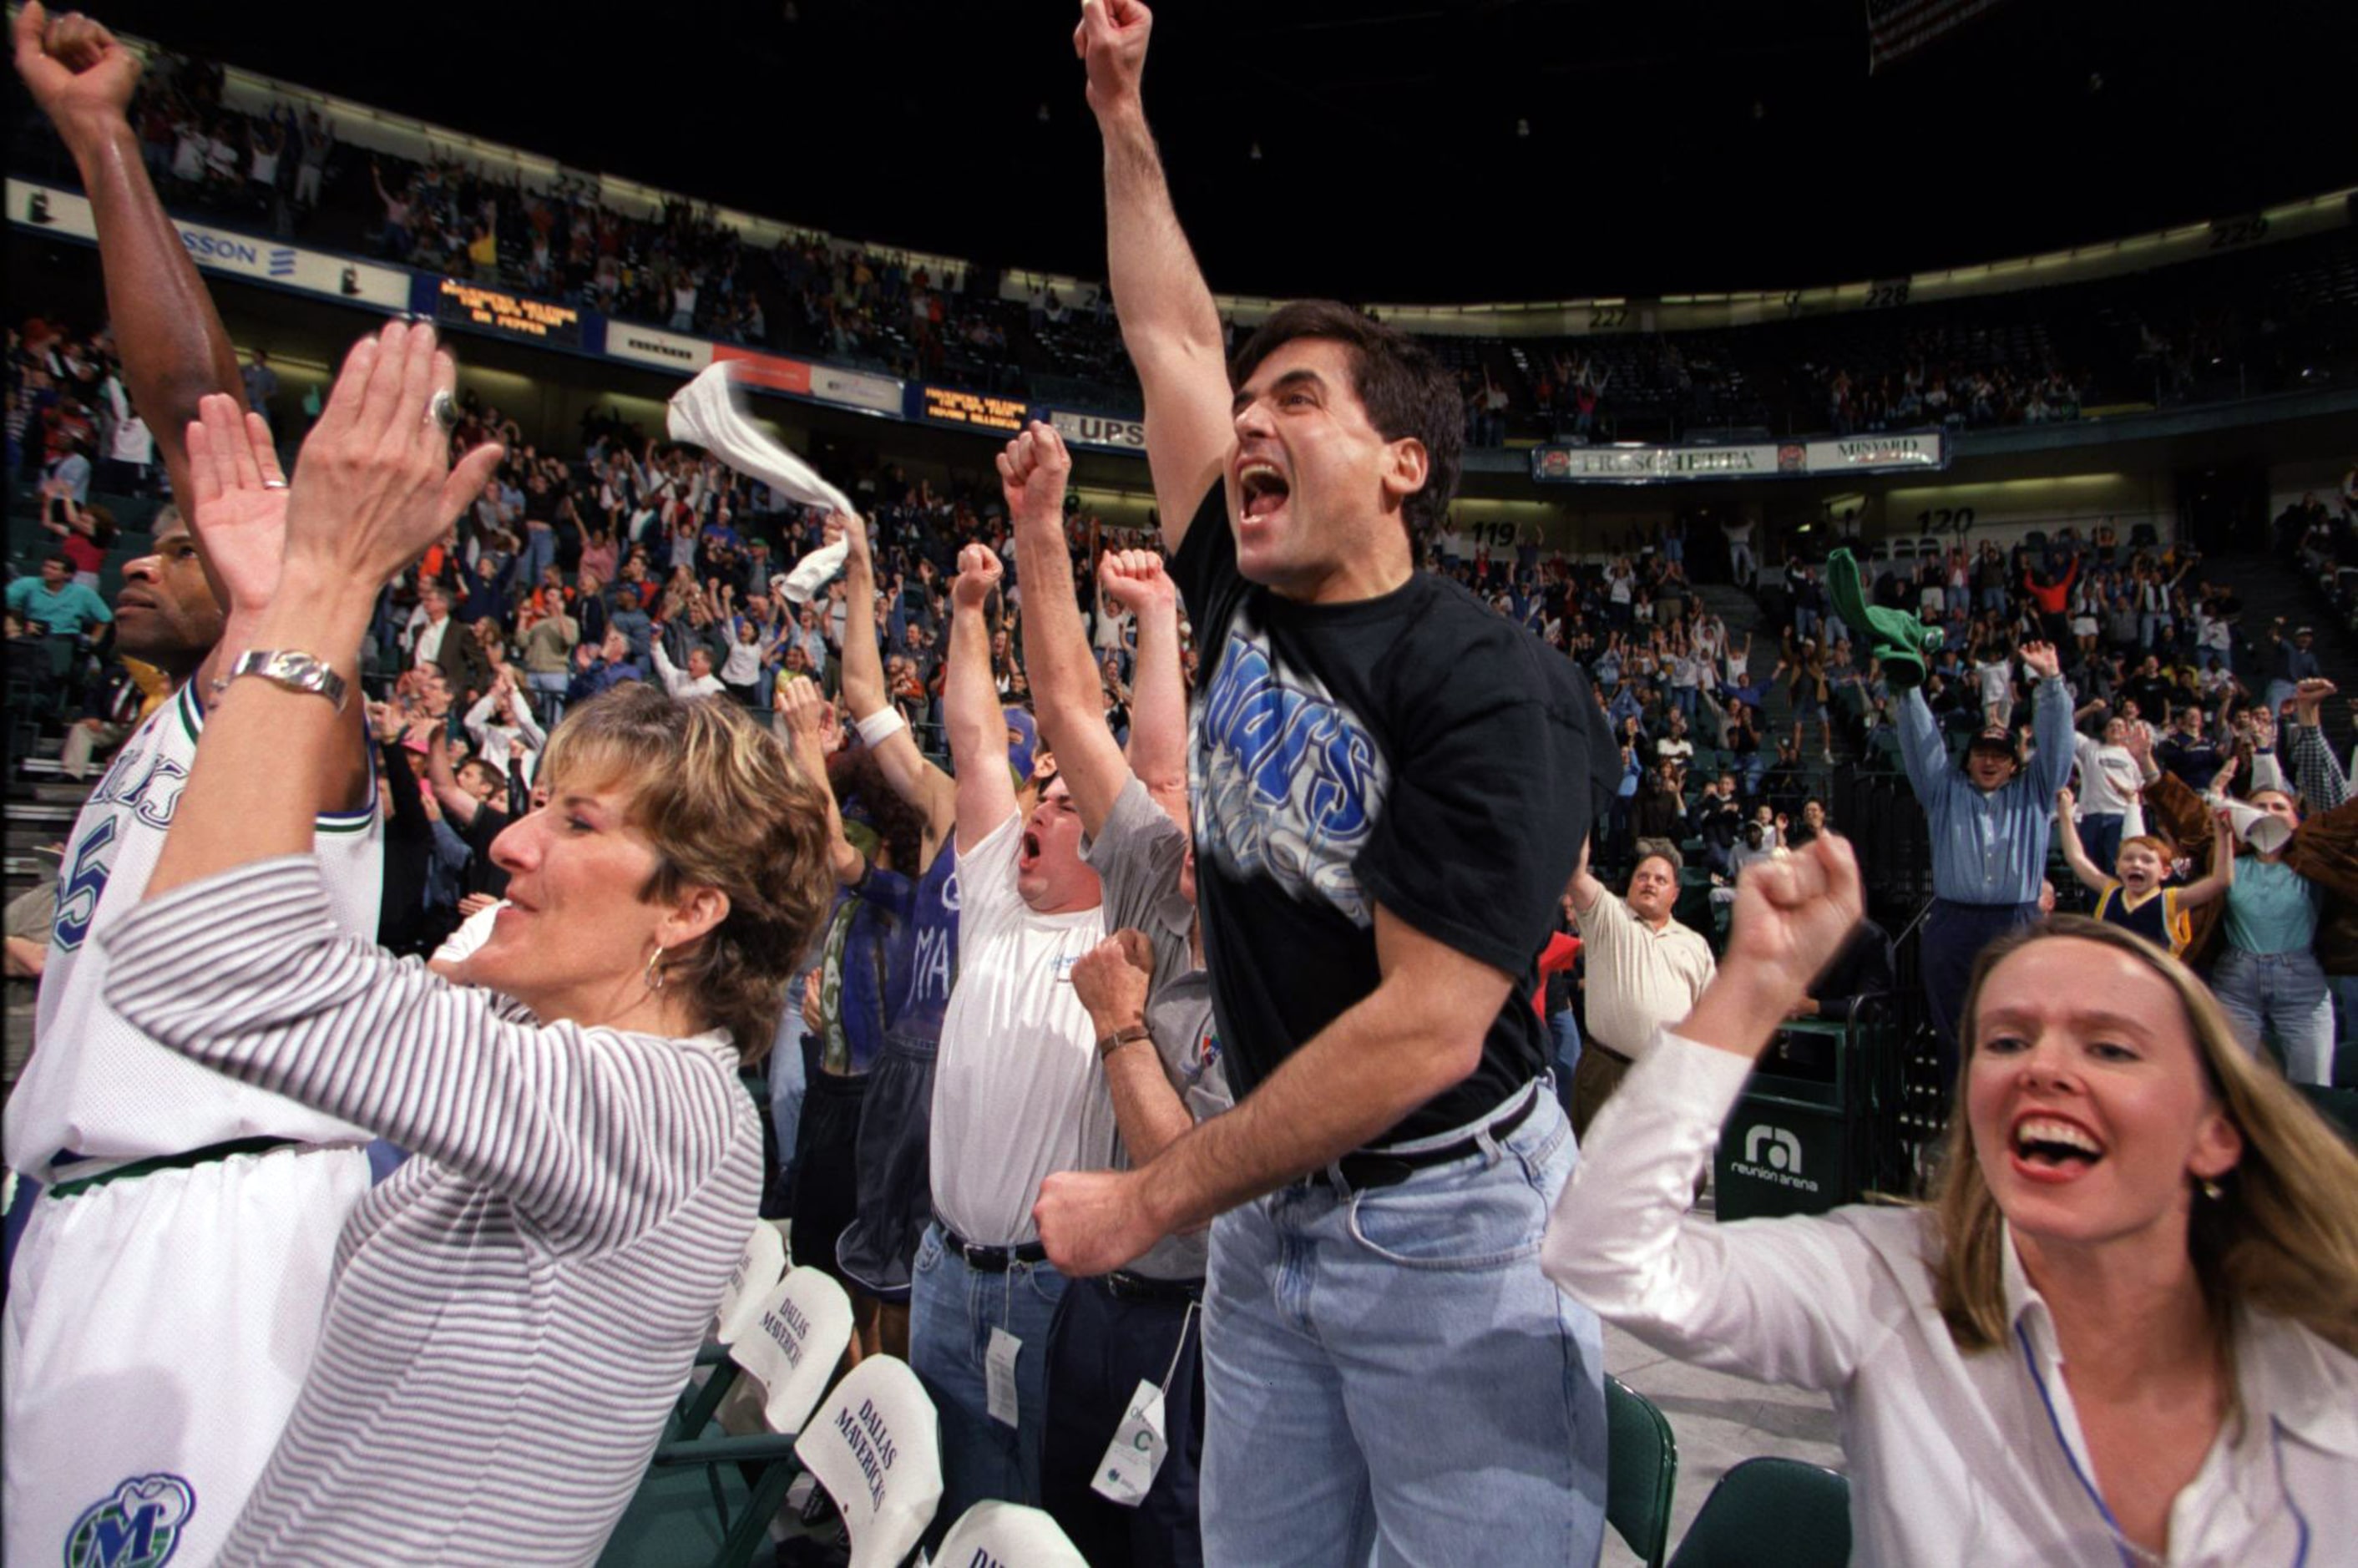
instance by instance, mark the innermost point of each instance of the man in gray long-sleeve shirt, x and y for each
(1990, 821)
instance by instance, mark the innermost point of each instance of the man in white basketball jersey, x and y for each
(165, 1292)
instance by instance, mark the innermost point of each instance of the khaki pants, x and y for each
(1599, 1073)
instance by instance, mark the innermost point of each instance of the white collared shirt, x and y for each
(1954, 1458)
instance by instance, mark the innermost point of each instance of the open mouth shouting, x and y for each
(2053, 1149)
(1262, 490)
(1029, 855)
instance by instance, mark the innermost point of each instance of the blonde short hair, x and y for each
(2282, 1235)
(724, 806)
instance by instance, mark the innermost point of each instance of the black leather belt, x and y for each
(989, 1259)
(1365, 1169)
(1129, 1287)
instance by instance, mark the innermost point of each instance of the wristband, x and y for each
(879, 727)
(1129, 1034)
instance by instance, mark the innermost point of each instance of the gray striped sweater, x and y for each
(514, 1310)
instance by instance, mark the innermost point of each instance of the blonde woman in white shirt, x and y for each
(2125, 1332)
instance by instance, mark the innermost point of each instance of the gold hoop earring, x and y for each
(654, 974)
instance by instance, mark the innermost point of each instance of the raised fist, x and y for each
(1111, 41)
(81, 76)
(1135, 580)
(978, 572)
(1032, 471)
(1111, 979)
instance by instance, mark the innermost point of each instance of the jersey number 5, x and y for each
(79, 892)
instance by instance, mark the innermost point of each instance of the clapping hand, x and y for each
(375, 486)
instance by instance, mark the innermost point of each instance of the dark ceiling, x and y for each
(1672, 144)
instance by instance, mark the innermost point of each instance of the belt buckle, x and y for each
(986, 1259)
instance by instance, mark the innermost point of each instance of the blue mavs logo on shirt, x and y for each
(138, 1526)
(1287, 782)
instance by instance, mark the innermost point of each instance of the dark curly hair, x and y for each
(724, 807)
(859, 784)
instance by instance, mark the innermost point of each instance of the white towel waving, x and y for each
(706, 413)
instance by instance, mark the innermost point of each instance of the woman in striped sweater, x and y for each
(515, 1309)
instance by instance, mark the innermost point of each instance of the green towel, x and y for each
(1899, 639)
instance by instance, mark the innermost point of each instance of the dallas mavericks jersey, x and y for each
(96, 1086)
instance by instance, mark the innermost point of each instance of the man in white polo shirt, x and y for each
(1018, 1090)
(1644, 970)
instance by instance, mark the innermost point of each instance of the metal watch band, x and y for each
(291, 668)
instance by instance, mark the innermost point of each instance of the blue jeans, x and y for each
(1563, 1029)
(2100, 834)
(539, 555)
(1388, 1371)
(2284, 993)
(952, 1310)
(549, 689)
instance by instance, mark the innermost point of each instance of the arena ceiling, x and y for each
(1407, 149)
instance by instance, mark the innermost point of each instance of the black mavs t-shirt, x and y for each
(1415, 750)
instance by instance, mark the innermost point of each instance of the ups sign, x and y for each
(1099, 430)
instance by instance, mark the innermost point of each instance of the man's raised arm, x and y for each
(970, 711)
(1169, 323)
(174, 349)
(1135, 580)
(1065, 691)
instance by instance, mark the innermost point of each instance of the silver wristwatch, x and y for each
(294, 670)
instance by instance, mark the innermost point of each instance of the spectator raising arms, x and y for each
(586, 1162)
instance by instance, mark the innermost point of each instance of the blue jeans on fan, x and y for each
(1387, 1372)
(2285, 994)
(2100, 834)
(548, 688)
(1563, 1031)
(952, 1310)
(539, 555)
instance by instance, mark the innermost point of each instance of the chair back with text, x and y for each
(1007, 1535)
(798, 1334)
(755, 1276)
(875, 1445)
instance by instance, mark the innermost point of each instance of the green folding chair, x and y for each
(1641, 1468)
(1771, 1513)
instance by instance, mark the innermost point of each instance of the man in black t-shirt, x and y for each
(1391, 785)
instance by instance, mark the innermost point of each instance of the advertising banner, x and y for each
(473, 308)
(1631, 462)
(220, 250)
(1106, 432)
(984, 411)
(654, 346)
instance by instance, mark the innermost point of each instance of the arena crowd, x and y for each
(1257, 966)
